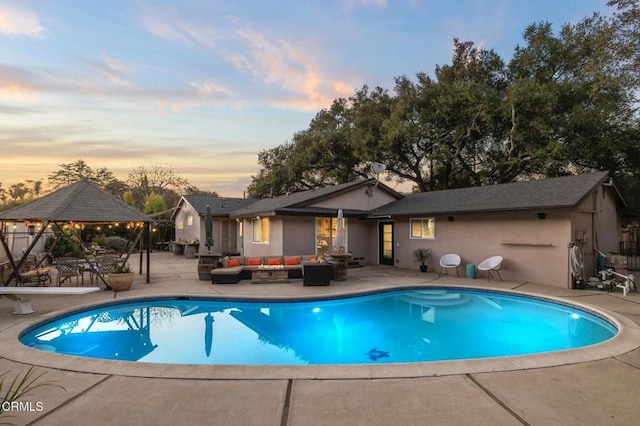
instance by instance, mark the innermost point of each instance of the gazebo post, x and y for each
(14, 266)
(148, 228)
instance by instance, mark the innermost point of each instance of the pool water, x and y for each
(413, 325)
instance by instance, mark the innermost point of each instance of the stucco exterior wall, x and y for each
(534, 244)
(299, 235)
(357, 199)
(596, 226)
(534, 250)
(295, 235)
(187, 222)
(224, 235)
(608, 222)
(362, 238)
(275, 245)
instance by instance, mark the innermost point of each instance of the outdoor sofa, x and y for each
(237, 268)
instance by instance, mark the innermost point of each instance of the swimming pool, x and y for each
(410, 325)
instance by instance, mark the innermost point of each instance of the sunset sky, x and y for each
(202, 86)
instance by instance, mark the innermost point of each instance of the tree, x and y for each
(155, 204)
(165, 182)
(276, 176)
(324, 154)
(626, 24)
(127, 197)
(462, 120)
(73, 172)
(3, 194)
(18, 191)
(582, 107)
(192, 190)
(36, 187)
(565, 103)
(156, 177)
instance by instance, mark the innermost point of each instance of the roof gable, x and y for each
(82, 201)
(220, 206)
(303, 200)
(561, 192)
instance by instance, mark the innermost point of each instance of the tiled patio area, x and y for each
(598, 385)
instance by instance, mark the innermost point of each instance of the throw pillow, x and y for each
(233, 262)
(254, 261)
(291, 261)
(276, 261)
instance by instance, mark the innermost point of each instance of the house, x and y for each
(189, 217)
(531, 224)
(305, 222)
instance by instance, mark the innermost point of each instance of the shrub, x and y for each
(118, 244)
(67, 243)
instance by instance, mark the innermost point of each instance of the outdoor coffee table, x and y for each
(270, 275)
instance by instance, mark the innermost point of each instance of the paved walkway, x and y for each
(599, 385)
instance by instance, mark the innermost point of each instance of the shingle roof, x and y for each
(297, 202)
(82, 201)
(566, 191)
(220, 206)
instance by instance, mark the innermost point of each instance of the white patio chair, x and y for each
(449, 261)
(494, 263)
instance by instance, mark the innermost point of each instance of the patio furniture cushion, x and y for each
(231, 275)
(289, 261)
(225, 260)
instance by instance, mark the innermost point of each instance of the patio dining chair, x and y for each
(103, 265)
(494, 263)
(67, 269)
(33, 273)
(449, 261)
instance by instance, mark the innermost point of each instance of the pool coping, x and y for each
(626, 340)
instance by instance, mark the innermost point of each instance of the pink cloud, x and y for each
(19, 22)
(275, 63)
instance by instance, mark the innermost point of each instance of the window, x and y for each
(189, 220)
(326, 229)
(261, 230)
(422, 228)
(180, 224)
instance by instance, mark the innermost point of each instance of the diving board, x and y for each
(23, 306)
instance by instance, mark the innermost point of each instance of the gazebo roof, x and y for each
(82, 201)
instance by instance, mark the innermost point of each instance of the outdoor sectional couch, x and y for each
(236, 268)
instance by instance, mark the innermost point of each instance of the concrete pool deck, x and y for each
(596, 385)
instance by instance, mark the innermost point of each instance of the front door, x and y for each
(385, 243)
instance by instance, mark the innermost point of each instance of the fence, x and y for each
(631, 249)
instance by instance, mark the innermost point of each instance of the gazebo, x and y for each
(80, 203)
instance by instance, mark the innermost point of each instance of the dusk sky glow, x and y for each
(202, 86)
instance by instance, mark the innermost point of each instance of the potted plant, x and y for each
(121, 278)
(421, 255)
